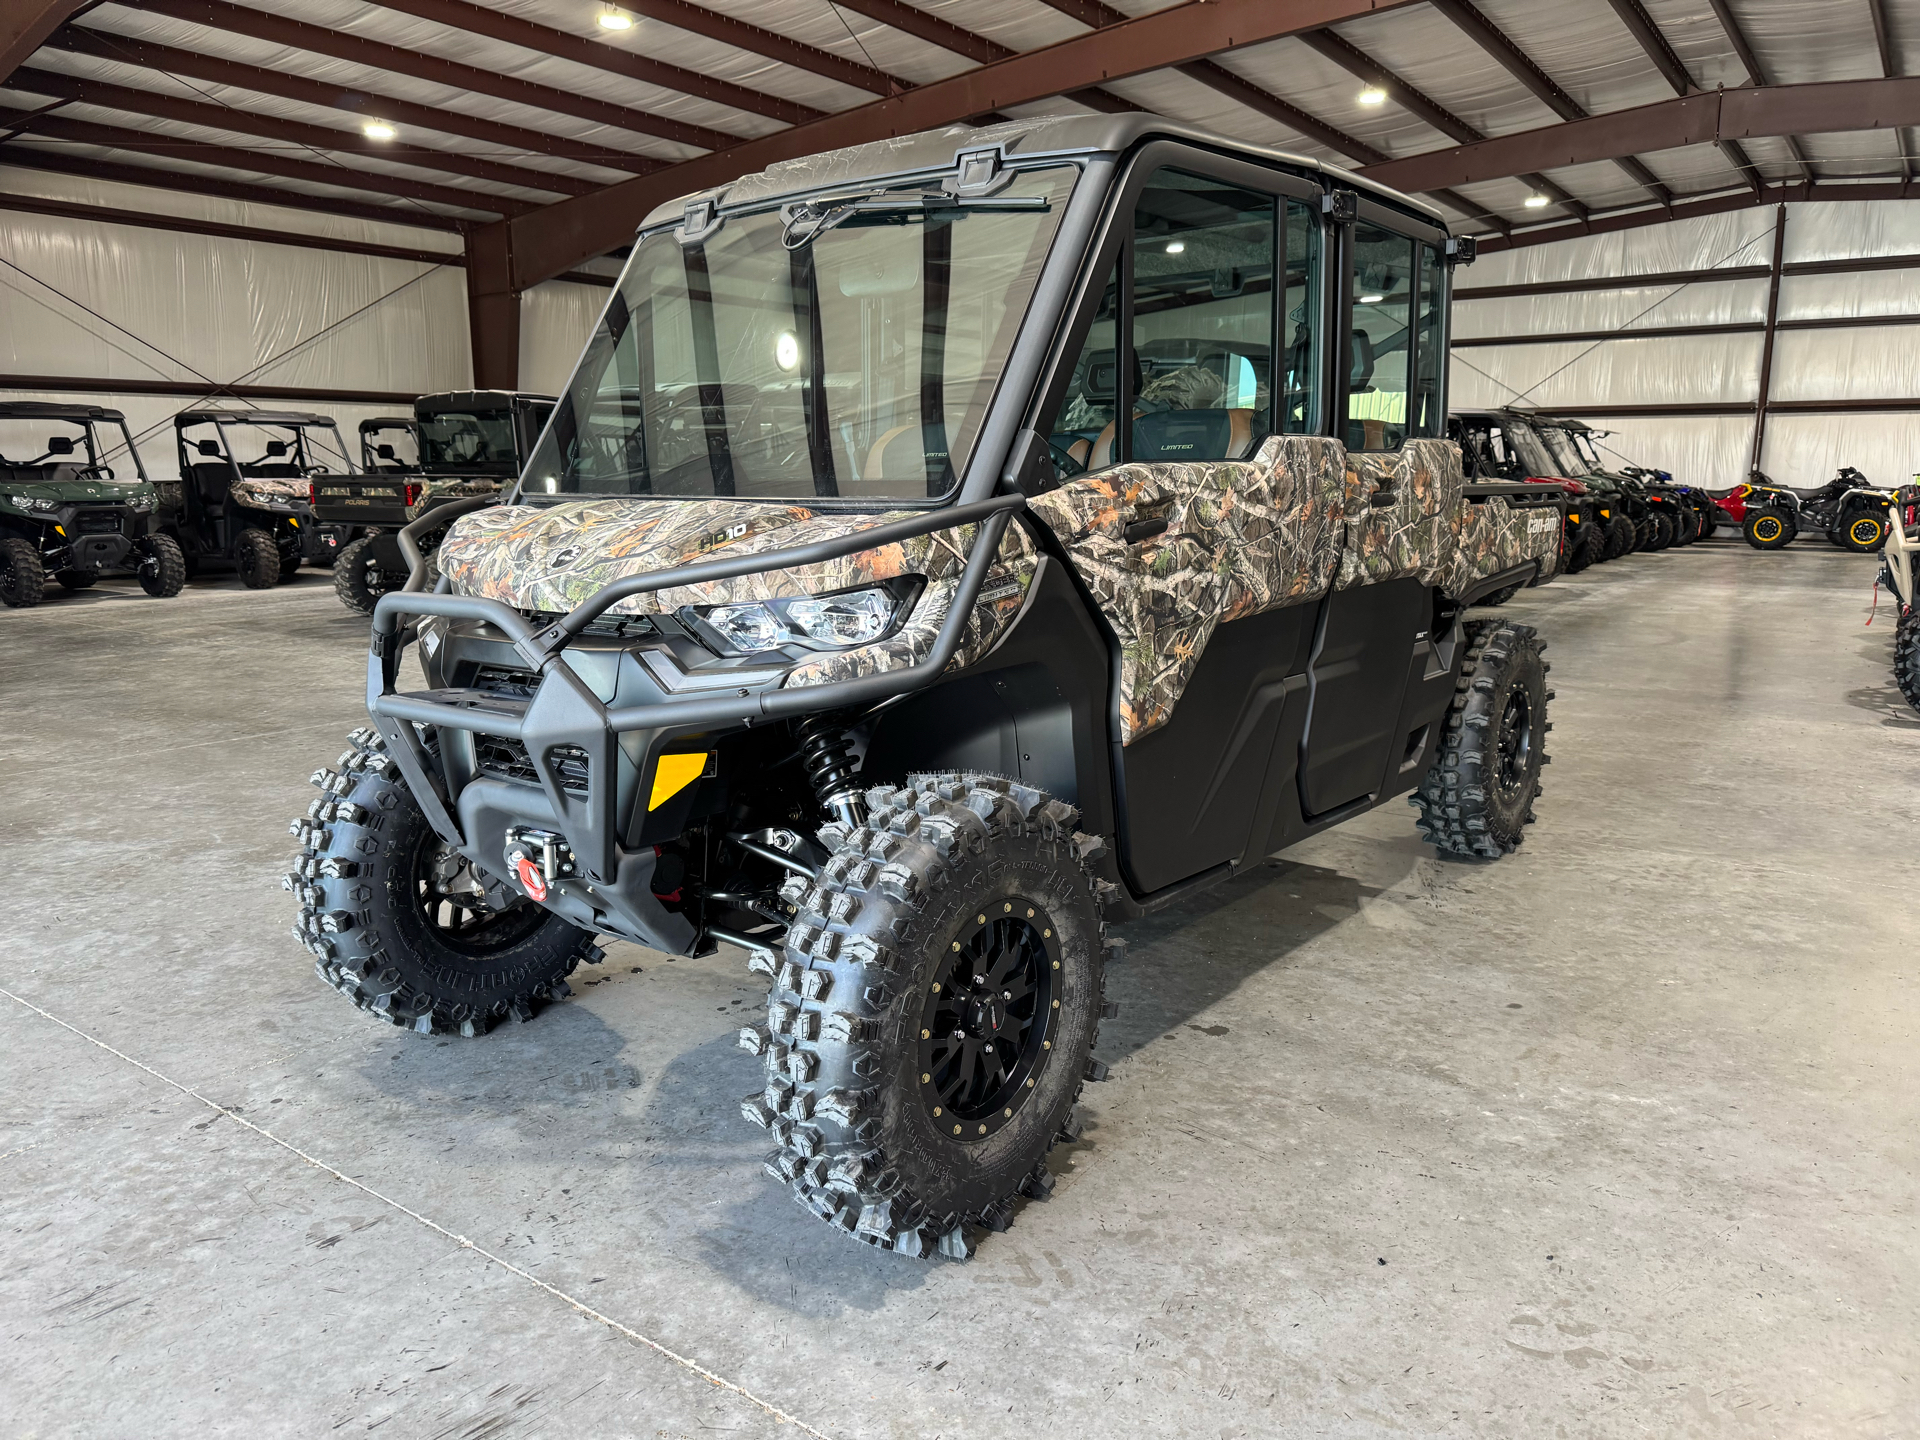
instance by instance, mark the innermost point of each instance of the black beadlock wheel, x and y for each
(23, 579)
(1477, 798)
(1767, 529)
(360, 582)
(1660, 531)
(1907, 662)
(402, 925)
(163, 569)
(1620, 537)
(258, 559)
(933, 1015)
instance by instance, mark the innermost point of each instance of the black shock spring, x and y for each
(827, 756)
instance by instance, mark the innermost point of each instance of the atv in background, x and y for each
(245, 479)
(1849, 511)
(69, 512)
(1631, 523)
(389, 443)
(799, 635)
(1499, 445)
(469, 443)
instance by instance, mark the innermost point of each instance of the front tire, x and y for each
(1767, 529)
(1620, 537)
(1477, 798)
(163, 570)
(1907, 663)
(1660, 531)
(23, 579)
(1585, 548)
(258, 559)
(933, 1014)
(358, 582)
(404, 927)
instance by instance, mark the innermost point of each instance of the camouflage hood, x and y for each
(266, 490)
(553, 558)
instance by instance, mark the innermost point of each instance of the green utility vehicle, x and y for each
(945, 547)
(76, 504)
(468, 443)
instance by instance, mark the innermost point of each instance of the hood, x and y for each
(265, 490)
(552, 558)
(80, 492)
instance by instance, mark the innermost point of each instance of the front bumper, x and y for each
(588, 726)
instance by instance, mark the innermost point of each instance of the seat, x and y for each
(910, 450)
(213, 479)
(1194, 435)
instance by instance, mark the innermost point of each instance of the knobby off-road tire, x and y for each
(1907, 663)
(1686, 524)
(1586, 548)
(1660, 532)
(1477, 799)
(384, 910)
(1620, 537)
(360, 585)
(23, 580)
(1863, 532)
(163, 570)
(258, 559)
(1767, 529)
(1710, 520)
(1500, 597)
(933, 1012)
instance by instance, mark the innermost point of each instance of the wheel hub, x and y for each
(988, 1026)
(1515, 742)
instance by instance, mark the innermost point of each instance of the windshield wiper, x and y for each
(805, 221)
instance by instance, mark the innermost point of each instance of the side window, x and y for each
(1298, 390)
(1380, 353)
(1426, 415)
(1087, 410)
(1203, 312)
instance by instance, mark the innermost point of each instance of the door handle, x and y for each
(1141, 530)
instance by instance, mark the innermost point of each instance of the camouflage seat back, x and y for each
(1241, 537)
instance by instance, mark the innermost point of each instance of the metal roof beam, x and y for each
(1750, 62)
(545, 40)
(25, 26)
(1647, 34)
(166, 60)
(344, 45)
(295, 132)
(697, 20)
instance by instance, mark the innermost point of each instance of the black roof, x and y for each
(470, 400)
(251, 417)
(388, 422)
(55, 410)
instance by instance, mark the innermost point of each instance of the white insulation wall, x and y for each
(191, 308)
(1866, 363)
(555, 319)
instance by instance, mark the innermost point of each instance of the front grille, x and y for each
(499, 680)
(97, 522)
(508, 760)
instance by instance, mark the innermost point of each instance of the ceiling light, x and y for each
(1175, 247)
(1373, 95)
(1372, 299)
(378, 130)
(787, 350)
(1536, 202)
(612, 19)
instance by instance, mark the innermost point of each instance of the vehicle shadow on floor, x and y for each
(1884, 698)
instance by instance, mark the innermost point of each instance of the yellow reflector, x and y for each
(1575, 516)
(673, 775)
(59, 530)
(294, 521)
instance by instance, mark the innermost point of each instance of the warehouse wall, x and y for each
(173, 307)
(1878, 362)
(555, 318)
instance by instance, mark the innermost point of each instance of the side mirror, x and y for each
(59, 445)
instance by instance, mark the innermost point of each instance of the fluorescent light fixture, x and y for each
(1175, 247)
(378, 130)
(1373, 95)
(1536, 202)
(612, 19)
(1372, 299)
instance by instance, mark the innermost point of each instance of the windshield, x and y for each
(462, 440)
(1525, 443)
(390, 447)
(853, 356)
(48, 448)
(1567, 459)
(282, 451)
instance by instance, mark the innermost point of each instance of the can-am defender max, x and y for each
(245, 484)
(809, 631)
(470, 442)
(1499, 445)
(75, 503)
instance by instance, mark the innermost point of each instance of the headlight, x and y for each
(837, 621)
(33, 502)
(140, 504)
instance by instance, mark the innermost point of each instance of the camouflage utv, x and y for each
(944, 549)
(467, 443)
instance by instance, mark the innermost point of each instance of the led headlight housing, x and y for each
(33, 502)
(839, 620)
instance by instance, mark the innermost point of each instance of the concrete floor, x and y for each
(1617, 1136)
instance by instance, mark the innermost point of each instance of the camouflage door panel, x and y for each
(1242, 537)
(553, 558)
(1410, 535)
(1494, 535)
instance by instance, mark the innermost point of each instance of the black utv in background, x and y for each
(800, 635)
(1571, 443)
(75, 504)
(1500, 445)
(243, 496)
(467, 443)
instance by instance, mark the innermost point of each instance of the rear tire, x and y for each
(258, 559)
(406, 929)
(910, 1101)
(1907, 663)
(1477, 798)
(360, 584)
(163, 571)
(23, 580)
(1864, 531)
(1767, 529)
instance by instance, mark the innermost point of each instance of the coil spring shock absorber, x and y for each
(827, 756)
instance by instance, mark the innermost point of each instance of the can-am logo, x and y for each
(564, 558)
